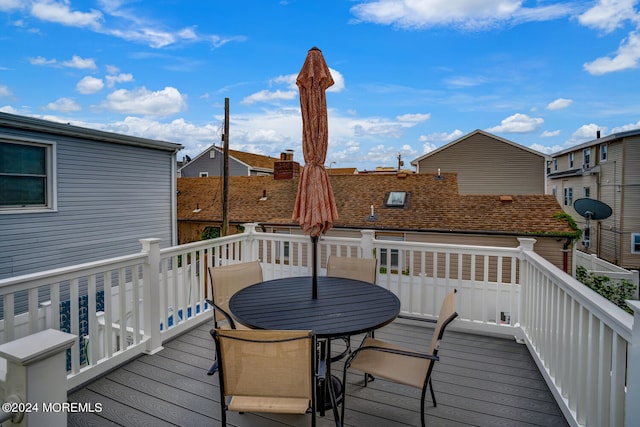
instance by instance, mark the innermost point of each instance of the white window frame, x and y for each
(586, 191)
(586, 157)
(635, 243)
(51, 187)
(203, 174)
(604, 152)
(555, 164)
(571, 160)
(568, 196)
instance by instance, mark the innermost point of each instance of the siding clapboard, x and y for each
(108, 195)
(486, 165)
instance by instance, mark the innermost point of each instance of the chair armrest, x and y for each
(226, 315)
(393, 351)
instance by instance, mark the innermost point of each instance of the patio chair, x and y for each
(225, 281)
(399, 364)
(266, 371)
(363, 269)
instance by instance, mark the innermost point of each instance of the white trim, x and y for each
(633, 237)
(51, 175)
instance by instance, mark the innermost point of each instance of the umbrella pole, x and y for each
(314, 271)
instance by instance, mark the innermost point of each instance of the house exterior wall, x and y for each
(630, 189)
(213, 166)
(614, 181)
(109, 196)
(485, 165)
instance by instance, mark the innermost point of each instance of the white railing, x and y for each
(579, 340)
(600, 267)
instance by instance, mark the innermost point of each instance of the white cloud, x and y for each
(464, 14)
(608, 15)
(39, 60)
(433, 141)
(549, 133)
(518, 123)
(559, 104)
(414, 118)
(64, 105)
(142, 101)
(118, 78)
(626, 57)
(624, 128)
(7, 5)
(89, 85)
(585, 133)
(269, 96)
(546, 149)
(80, 63)
(60, 13)
(5, 92)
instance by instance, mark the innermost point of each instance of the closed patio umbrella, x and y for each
(315, 207)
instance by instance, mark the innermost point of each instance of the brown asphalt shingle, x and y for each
(433, 205)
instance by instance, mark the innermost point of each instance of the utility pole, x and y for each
(225, 173)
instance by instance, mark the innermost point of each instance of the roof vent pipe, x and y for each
(598, 134)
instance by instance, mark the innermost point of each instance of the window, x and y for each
(554, 191)
(586, 191)
(26, 176)
(548, 167)
(571, 158)
(555, 164)
(603, 152)
(635, 243)
(204, 174)
(568, 196)
(390, 258)
(586, 157)
(396, 199)
(282, 248)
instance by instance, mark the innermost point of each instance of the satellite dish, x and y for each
(592, 209)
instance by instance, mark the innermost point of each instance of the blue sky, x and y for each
(411, 75)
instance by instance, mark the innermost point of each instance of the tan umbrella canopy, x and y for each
(315, 207)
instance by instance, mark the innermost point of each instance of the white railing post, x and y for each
(526, 245)
(367, 243)
(36, 375)
(632, 409)
(151, 295)
(249, 246)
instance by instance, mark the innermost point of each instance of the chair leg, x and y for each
(433, 395)
(213, 368)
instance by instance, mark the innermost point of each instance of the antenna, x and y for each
(592, 209)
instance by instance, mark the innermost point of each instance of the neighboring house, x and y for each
(417, 207)
(605, 169)
(211, 163)
(70, 195)
(488, 164)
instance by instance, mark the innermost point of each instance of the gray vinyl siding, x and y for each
(108, 196)
(488, 166)
(213, 166)
(631, 195)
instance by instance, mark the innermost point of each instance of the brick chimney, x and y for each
(286, 168)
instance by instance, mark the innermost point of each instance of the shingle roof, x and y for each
(254, 160)
(433, 205)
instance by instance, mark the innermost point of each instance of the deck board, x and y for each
(480, 381)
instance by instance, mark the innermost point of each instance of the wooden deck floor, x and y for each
(480, 381)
